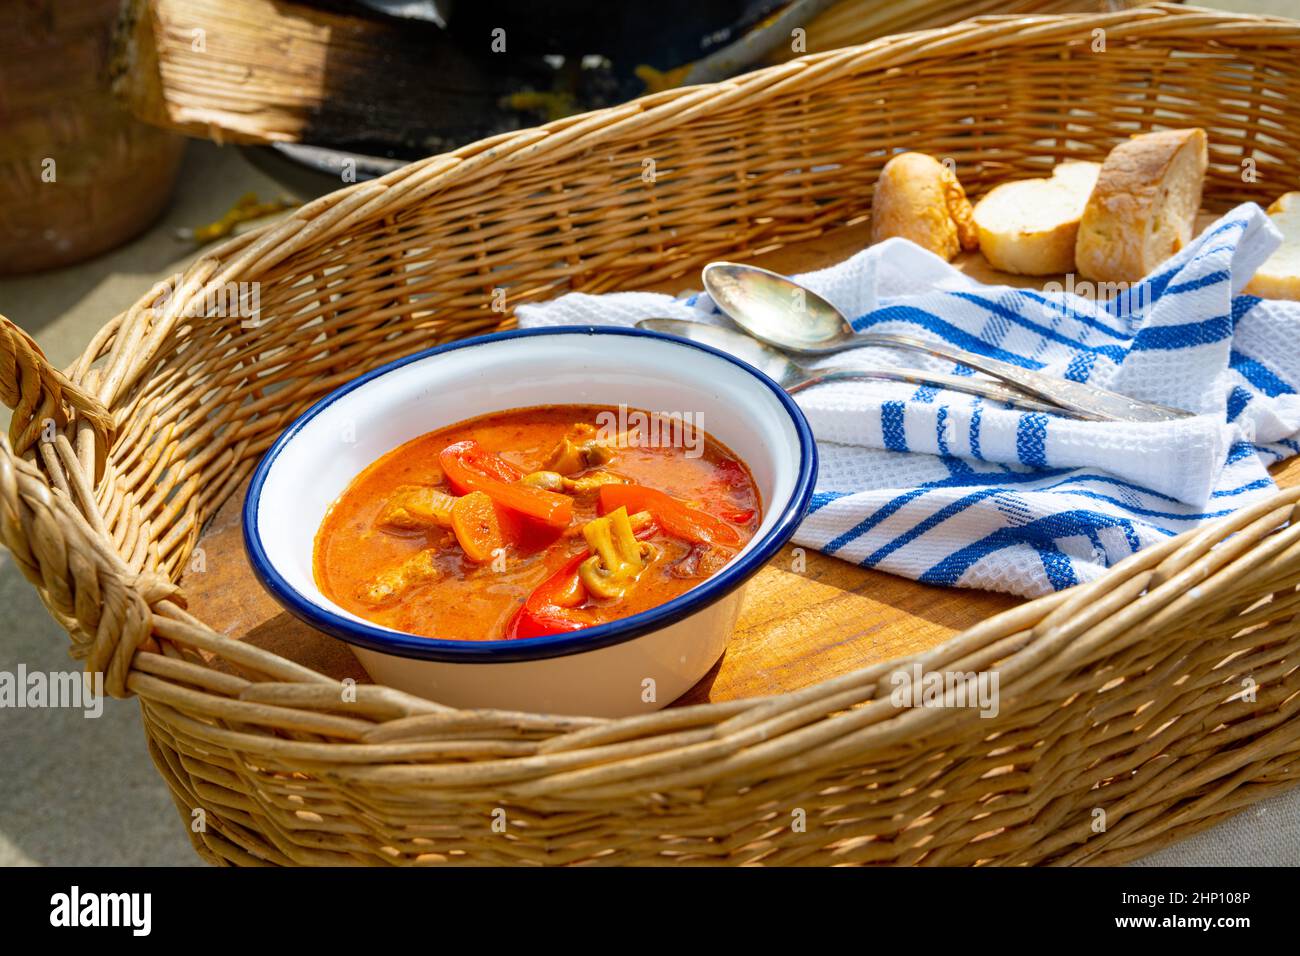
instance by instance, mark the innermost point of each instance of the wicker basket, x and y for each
(1125, 695)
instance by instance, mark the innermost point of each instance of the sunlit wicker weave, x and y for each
(847, 22)
(1125, 695)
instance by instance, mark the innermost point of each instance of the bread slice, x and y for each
(919, 198)
(1028, 227)
(1279, 276)
(1143, 208)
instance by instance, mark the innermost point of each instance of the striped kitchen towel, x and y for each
(948, 489)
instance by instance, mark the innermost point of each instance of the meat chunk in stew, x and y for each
(417, 508)
(393, 583)
(581, 448)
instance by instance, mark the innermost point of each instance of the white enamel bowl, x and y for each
(634, 665)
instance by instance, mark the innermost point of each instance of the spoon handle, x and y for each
(957, 383)
(1092, 402)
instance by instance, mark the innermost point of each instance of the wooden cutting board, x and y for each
(806, 617)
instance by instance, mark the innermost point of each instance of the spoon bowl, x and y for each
(776, 310)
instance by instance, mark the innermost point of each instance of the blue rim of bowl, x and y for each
(402, 644)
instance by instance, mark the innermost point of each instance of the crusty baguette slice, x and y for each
(1028, 227)
(919, 198)
(1279, 276)
(1143, 208)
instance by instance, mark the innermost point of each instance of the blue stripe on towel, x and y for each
(1043, 533)
(1241, 305)
(1076, 310)
(1113, 352)
(1169, 337)
(921, 527)
(1058, 567)
(1200, 282)
(1238, 399)
(872, 520)
(1081, 366)
(1259, 375)
(1031, 440)
(945, 330)
(941, 430)
(891, 425)
(975, 431)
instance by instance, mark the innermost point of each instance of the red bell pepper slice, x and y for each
(554, 606)
(541, 623)
(548, 609)
(475, 457)
(671, 515)
(469, 467)
(736, 515)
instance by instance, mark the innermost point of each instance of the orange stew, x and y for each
(534, 521)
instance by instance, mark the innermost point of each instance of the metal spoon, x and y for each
(794, 377)
(782, 313)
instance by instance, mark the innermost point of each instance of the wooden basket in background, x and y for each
(1125, 695)
(322, 87)
(78, 174)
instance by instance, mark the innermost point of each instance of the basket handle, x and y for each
(38, 393)
(104, 604)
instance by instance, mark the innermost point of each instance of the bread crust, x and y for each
(920, 199)
(1143, 208)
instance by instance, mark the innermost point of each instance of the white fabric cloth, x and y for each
(949, 489)
(1264, 834)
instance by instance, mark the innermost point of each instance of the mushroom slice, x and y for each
(546, 480)
(554, 481)
(617, 559)
(592, 481)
